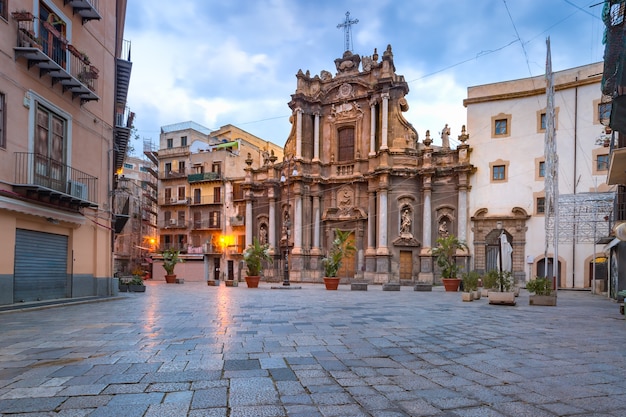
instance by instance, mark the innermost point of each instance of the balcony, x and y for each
(204, 177)
(617, 167)
(211, 224)
(123, 67)
(46, 49)
(87, 9)
(50, 181)
(172, 201)
(174, 224)
(237, 221)
(123, 124)
(168, 175)
(206, 199)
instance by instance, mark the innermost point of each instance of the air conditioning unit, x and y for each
(173, 222)
(78, 189)
(173, 200)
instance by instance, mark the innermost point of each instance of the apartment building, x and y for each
(508, 124)
(200, 196)
(64, 128)
(135, 205)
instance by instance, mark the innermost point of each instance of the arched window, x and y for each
(346, 144)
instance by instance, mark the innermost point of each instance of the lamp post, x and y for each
(287, 219)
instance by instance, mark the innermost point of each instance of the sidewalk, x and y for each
(195, 350)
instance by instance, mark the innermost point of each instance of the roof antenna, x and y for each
(347, 29)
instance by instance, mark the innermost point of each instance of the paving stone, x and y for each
(303, 353)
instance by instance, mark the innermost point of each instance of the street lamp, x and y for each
(287, 220)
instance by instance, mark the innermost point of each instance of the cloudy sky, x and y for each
(234, 62)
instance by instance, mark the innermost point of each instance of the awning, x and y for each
(25, 207)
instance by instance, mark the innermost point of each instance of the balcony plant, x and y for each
(445, 257)
(254, 256)
(341, 247)
(542, 293)
(23, 15)
(171, 258)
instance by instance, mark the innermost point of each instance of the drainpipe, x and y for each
(575, 180)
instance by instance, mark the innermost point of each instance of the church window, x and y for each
(346, 144)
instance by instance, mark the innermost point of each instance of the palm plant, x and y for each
(171, 257)
(255, 255)
(445, 253)
(340, 248)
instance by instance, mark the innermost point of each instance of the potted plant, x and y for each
(502, 291)
(470, 286)
(542, 294)
(342, 246)
(254, 256)
(136, 284)
(171, 257)
(445, 253)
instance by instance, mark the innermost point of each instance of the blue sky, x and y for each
(234, 62)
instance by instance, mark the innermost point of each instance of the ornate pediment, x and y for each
(407, 241)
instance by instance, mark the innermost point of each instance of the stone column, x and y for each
(372, 128)
(427, 218)
(249, 224)
(315, 250)
(371, 223)
(316, 138)
(385, 124)
(271, 233)
(298, 133)
(382, 223)
(462, 222)
(297, 225)
(426, 264)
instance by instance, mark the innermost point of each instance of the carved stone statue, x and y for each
(443, 229)
(445, 137)
(263, 234)
(405, 221)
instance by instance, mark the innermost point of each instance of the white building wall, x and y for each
(576, 102)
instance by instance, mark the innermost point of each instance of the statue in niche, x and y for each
(406, 221)
(445, 137)
(263, 234)
(443, 228)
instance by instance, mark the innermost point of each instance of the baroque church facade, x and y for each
(352, 162)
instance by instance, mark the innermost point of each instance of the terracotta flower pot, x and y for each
(253, 281)
(331, 283)
(451, 284)
(170, 279)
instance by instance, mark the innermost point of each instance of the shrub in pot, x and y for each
(171, 258)
(445, 257)
(254, 256)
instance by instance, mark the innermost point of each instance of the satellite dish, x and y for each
(620, 231)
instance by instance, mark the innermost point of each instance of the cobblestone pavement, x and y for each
(195, 350)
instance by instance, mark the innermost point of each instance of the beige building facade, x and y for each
(64, 129)
(200, 197)
(507, 121)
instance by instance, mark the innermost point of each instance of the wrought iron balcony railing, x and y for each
(45, 47)
(47, 175)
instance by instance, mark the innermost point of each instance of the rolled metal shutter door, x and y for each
(40, 266)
